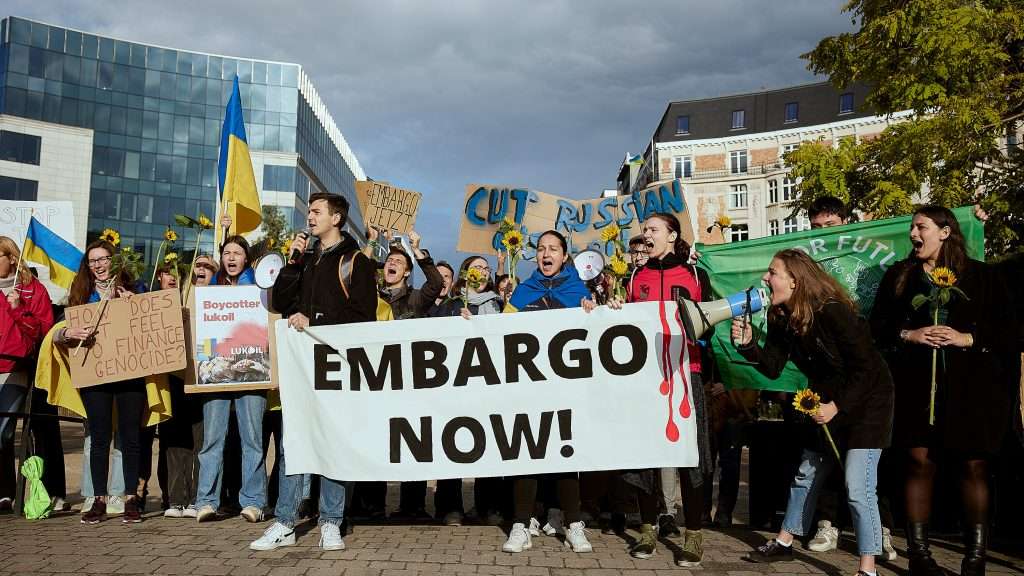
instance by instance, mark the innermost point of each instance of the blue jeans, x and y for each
(116, 486)
(249, 408)
(292, 488)
(861, 469)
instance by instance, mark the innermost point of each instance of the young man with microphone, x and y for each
(333, 284)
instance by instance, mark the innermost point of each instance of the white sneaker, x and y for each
(330, 537)
(534, 527)
(577, 538)
(87, 505)
(825, 539)
(252, 514)
(175, 512)
(59, 504)
(276, 536)
(115, 505)
(888, 551)
(189, 511)
(206, 514)
(554, 525)
(453, 519)
(518, 539)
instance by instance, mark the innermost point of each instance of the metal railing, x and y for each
(708, 174)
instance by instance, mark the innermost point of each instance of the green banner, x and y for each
(856, 254)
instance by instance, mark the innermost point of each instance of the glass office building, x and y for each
(155, 114)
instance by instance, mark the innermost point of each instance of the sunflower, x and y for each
(204, 222)
(618, 265)
(170, 236)
(723, 221)
(610, 233)
(513, 241)
(171, 258)
(111, 235)
(474, 278)
(807, 401)
(943, 277)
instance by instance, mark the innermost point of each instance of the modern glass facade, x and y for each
(156, 114)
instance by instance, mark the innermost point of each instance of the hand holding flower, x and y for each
(826, 412)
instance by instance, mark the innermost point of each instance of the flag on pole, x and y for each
(239, 197)
(45, 247)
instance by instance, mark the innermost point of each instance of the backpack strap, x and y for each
(345, 270)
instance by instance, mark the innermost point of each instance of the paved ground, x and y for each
(62, 545)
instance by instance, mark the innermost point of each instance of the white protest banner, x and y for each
(499, 395)
(232, 339)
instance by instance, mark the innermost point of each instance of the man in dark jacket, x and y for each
(405, 301)
(334, 284)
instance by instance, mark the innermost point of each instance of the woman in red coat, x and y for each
(25, 317)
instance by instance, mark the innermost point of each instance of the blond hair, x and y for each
(814, 288)
(10, 249)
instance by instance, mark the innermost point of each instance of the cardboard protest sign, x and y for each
(136, 336)
(387, 206)
(500, 395)
(233, 347)
(857, 255)
(581, 221)
(58, 216)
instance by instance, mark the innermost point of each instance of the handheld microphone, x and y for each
(296, 255)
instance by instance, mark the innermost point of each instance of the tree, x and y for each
(275, 232)
(959, 67)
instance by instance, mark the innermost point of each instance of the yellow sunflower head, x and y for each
(474, 278)
(610, 233)
(170, 236)
(111, 235)
(943, 277)
(618, 265)
(171, 258)
(723, 221)
(513, 241)
(204, 222)
(807, 401)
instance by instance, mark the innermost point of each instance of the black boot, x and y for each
(921, 561)
(975, 542)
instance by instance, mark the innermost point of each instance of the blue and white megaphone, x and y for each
(699, 317)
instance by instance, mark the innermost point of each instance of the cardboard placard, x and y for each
(387, 206)
(581, 221)
(233, 346)
(136, 336)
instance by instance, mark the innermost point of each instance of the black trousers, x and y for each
(181, 438)
(48, 445)
(130, 397)
(447, 497)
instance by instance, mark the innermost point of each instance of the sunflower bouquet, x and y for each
(474, 279)
(170, 237)
(808, 402)
(616, 268)
(943, 287)
(200, 225)
(512, 241)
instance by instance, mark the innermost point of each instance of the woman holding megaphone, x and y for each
(814, 323)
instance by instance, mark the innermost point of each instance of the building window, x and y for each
(683, 166)
(279, 178)
(738, 196)
(846, 103)
(773, 227)
(789, 225)
(18, 147)
(773, 191)
(18, 189)
(738, 119)
(682, 124)
(788, 189)
(792, 112)
(738, 162)
(739, 233)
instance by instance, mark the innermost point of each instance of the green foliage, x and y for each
(275, 232)
(957, 66)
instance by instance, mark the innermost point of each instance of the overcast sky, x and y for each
(435, 95)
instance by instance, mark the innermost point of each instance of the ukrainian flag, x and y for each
(60, 256)
(239, 196)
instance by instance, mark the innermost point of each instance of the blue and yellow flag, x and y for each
(239, 197)
(43, 246)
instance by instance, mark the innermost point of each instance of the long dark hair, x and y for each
(561, 240)
(222, 275)
(814, 288)
(952, 253)
(460, 282)
(84, 284)
(681, 246)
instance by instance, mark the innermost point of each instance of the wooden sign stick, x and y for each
(93, 330)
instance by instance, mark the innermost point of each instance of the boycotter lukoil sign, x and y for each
(501, 395)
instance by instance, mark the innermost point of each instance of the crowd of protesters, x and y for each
(877, 392)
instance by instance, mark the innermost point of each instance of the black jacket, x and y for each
(842, 365)
(313, 286)
(410, 303)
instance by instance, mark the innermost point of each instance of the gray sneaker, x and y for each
(825, 539)
(888, 551)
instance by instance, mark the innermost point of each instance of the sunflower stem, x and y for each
(935, 358)
(833, 443)
(156, 264)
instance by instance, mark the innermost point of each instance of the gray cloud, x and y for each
(545, 94)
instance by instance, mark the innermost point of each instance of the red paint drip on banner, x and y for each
(684, 408)
(668, 381)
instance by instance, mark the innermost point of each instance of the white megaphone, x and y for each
(699, 317)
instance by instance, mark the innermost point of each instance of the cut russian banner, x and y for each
(239, 197)
(45, 247)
